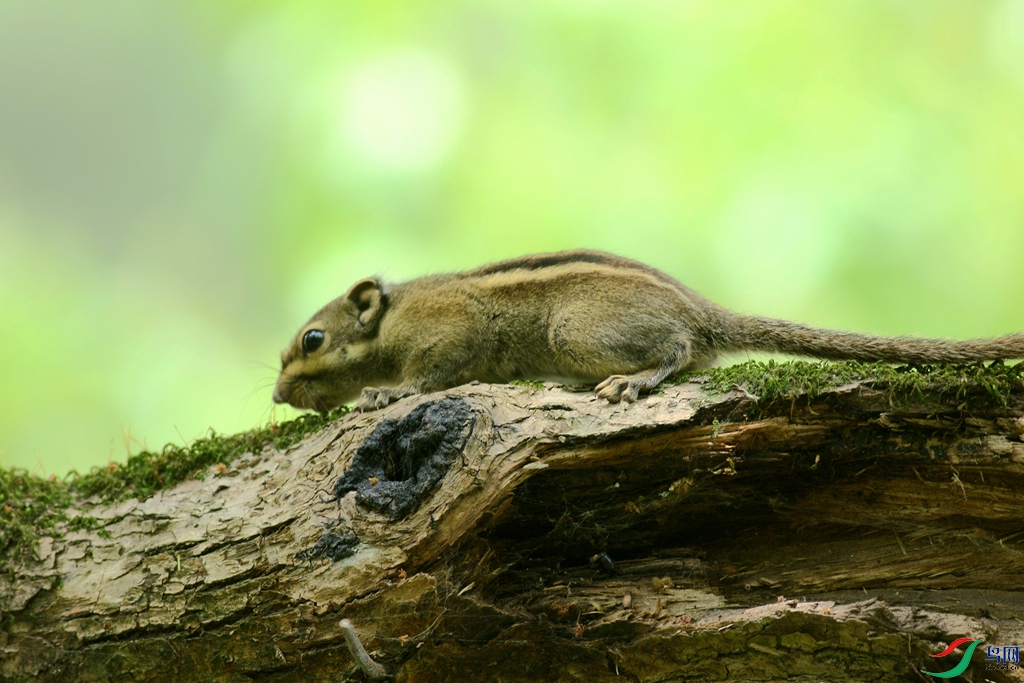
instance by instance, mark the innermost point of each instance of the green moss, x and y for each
(773, 381)
(31, 506)
(534, 384)
(147, 472)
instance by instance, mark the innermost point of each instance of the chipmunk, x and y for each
(577, 316)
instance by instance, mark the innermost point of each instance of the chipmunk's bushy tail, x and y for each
(753, 333)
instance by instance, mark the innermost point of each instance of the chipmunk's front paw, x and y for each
(617, 388)
(374, 398)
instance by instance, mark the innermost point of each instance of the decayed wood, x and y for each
(684, 537)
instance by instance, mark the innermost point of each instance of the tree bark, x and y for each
(516, 533)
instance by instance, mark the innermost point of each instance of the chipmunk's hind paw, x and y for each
(617, 388)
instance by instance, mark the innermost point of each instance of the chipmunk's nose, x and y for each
(278, 397)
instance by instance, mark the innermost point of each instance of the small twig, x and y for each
(900, 543)
(359, 653)
(956, 480)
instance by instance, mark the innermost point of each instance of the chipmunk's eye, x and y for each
(312, 340)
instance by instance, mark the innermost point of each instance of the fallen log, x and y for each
(766, 522)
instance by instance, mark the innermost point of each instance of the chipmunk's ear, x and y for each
(369, 300)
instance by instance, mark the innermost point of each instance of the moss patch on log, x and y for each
(32, 506)
(147, 472)
(770, 381)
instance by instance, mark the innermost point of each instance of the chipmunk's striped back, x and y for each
(578, 315)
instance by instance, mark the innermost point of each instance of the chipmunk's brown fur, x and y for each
(581, 316)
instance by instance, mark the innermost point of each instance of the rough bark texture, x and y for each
(510, 533)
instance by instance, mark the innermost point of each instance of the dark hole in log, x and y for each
(401, 462)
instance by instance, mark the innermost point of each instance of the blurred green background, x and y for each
(182, 183)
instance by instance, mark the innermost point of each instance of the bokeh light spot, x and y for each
(402, 111)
